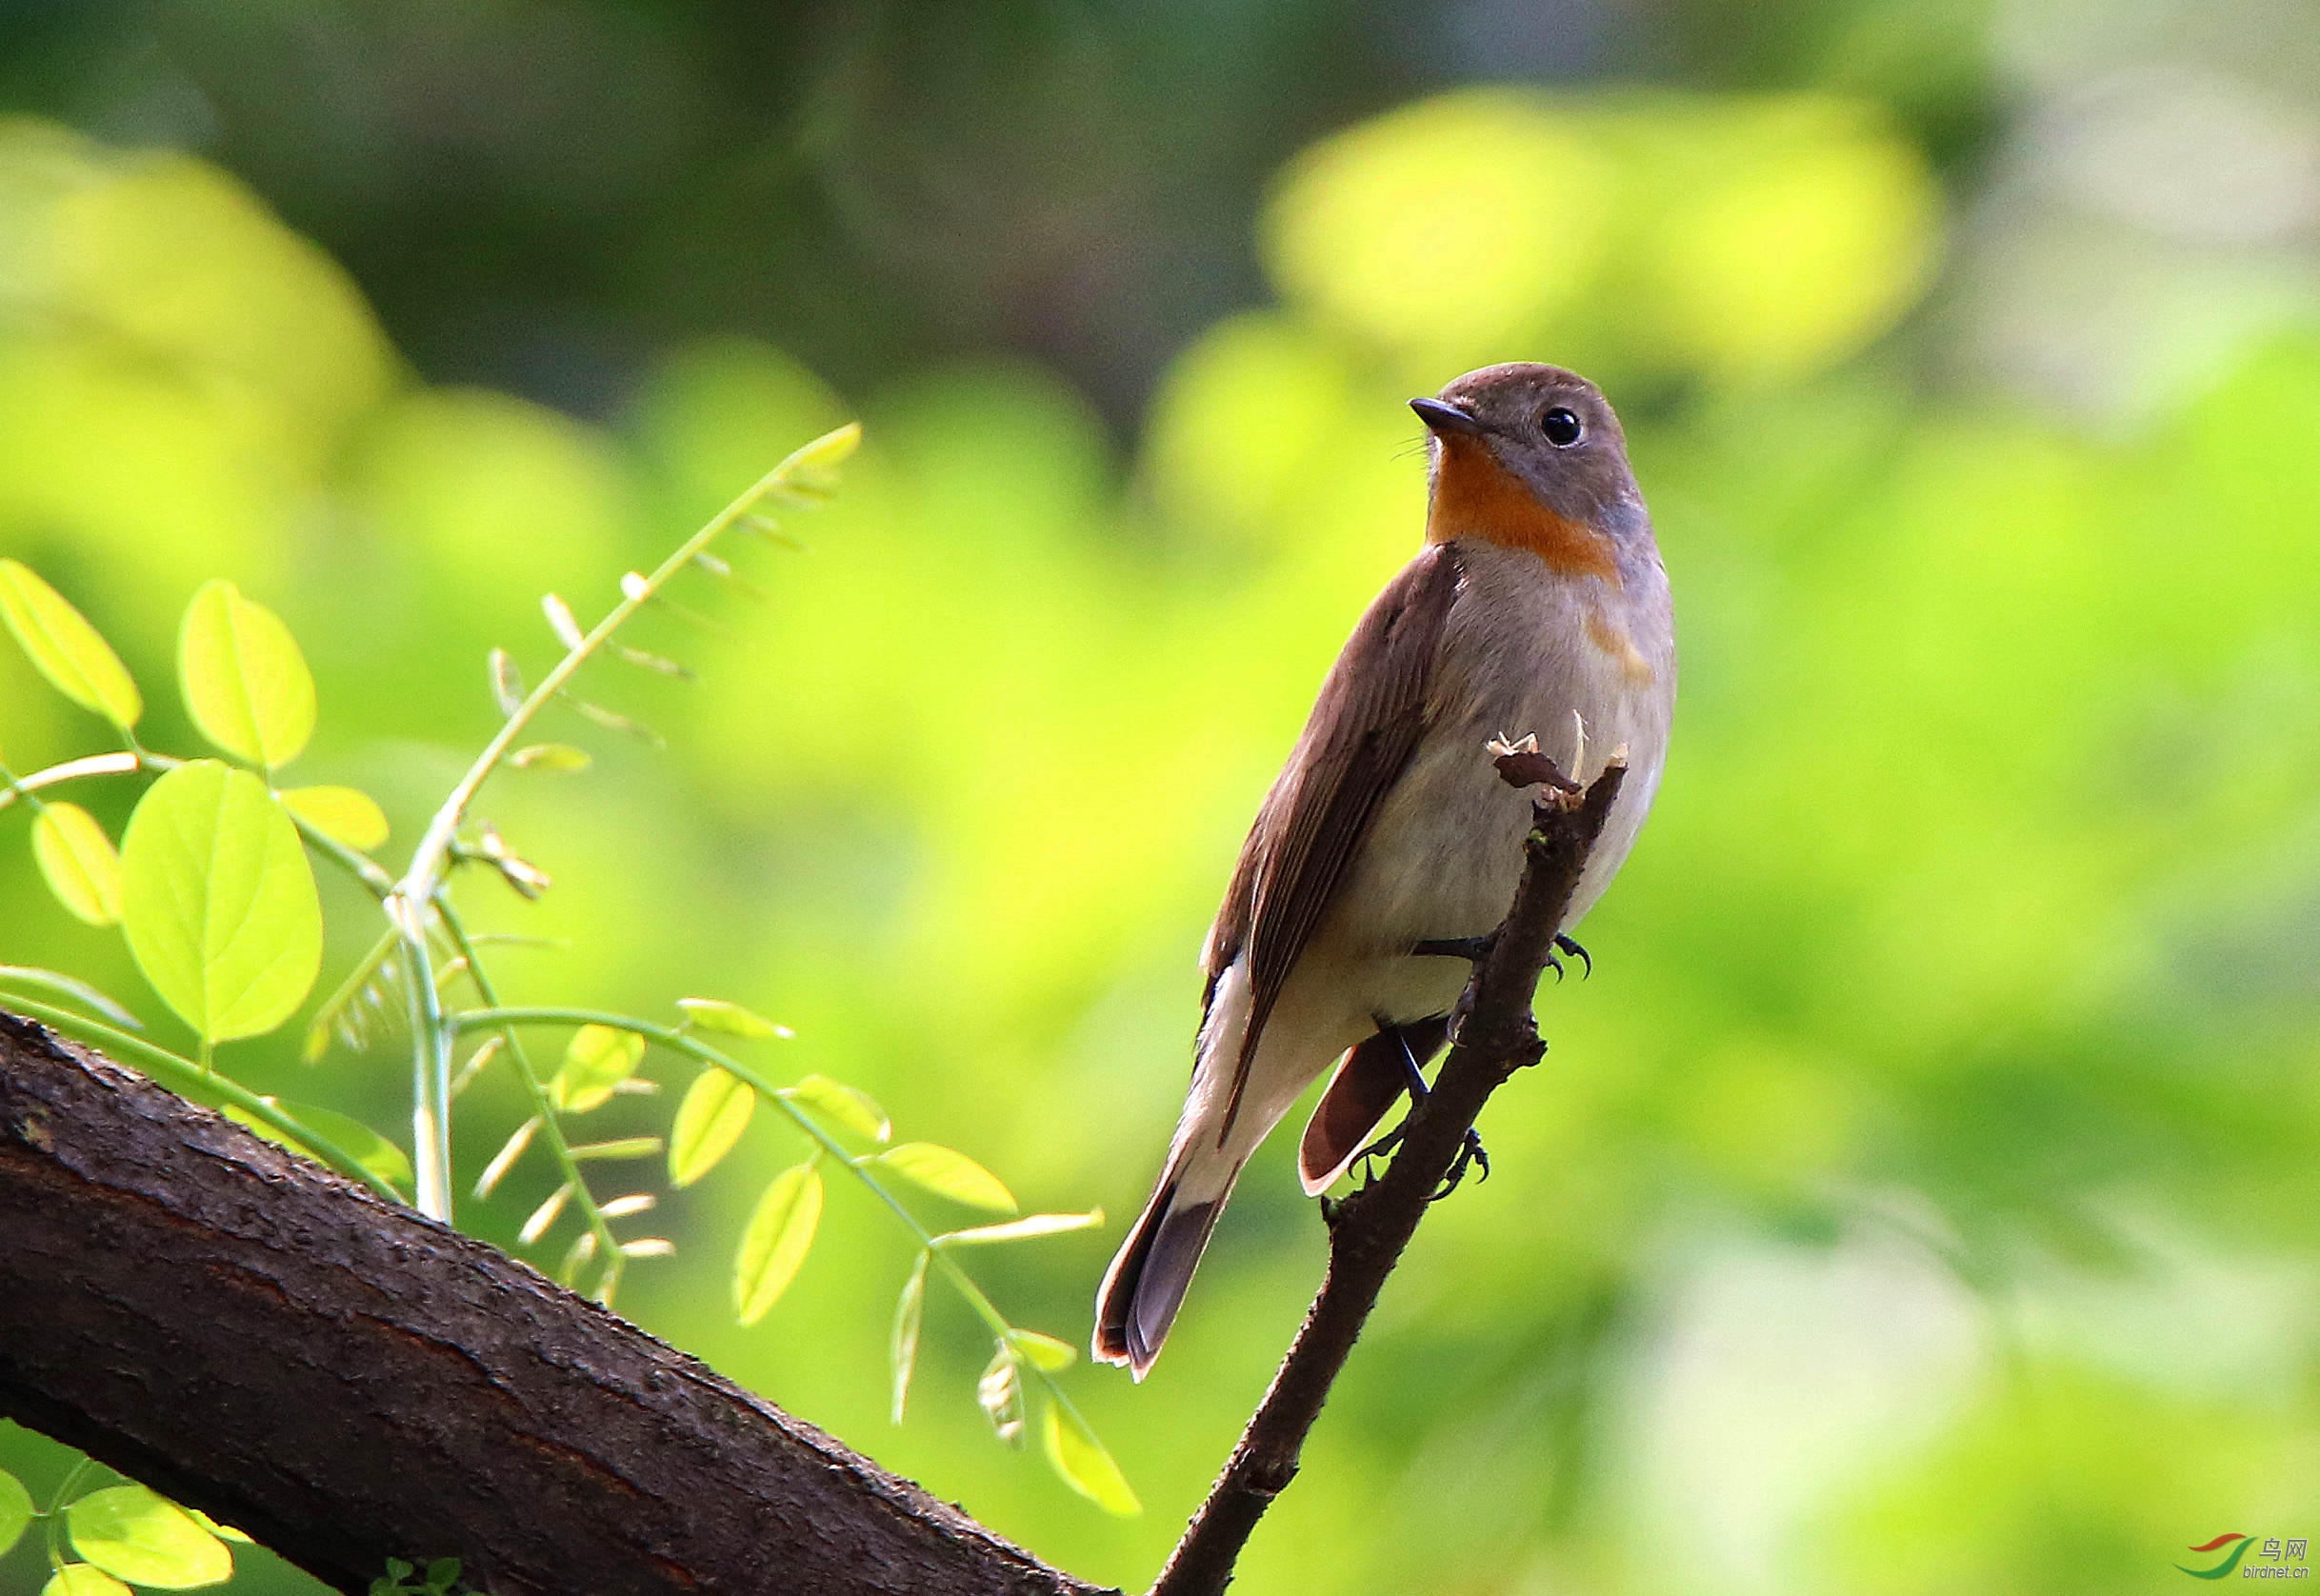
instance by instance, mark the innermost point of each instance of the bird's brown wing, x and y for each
(1364, 726)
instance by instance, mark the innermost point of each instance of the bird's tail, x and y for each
(1145, 1283)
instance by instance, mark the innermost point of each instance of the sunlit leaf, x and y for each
(1043, 1351)
(999, 1393)
(65, 647)
(16, 1509)
(660, 665)
(582, 1249)
(910, 1309)
(507, 681)
(635, 1203)
(80, 1578)
(223, 1531)
(623, 1146)
(612, 720)
(1084, 1462)
(1022, 1230)
(371, 1152)
(545, 1215)
(713, 1113)
(841, 1106)
(774, 1246)
(598, 1058)
(343, 814)
(78, 861)
(218, 901)
(561, 621)
(23, 976)
(731, 1018)
(246, 683)
(555, 758)
(947, 1173)
(134, 1534)
(646, 1247)
(504, 1160)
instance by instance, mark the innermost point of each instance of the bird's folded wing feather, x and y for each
(1371, 715)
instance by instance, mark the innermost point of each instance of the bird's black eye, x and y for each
(1562, 428)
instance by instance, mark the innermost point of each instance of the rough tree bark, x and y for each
(347, 1382)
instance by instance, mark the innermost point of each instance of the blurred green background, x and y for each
(1920, 1197)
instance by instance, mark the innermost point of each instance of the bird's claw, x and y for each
(1469, 1152)
(1471, 948)
(1570, 947)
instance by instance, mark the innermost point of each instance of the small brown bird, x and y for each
(1538, 606)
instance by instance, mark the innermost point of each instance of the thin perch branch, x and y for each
(1370, 1228)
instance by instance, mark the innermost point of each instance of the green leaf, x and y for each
(774, 1246)
(714, 1112)
(16, 1509)
(841, 1106)
(731, 1018)
(246, 683)
(442, 1574)
(79, 1579)
(1043, 1351)
(557, 758)
(947, 1174)
(1020, 1229)
(20, 976)
(999, 1393)
(598, 1058)
(218, 901)
(223, 1531)
(624, 1147)
(78, 861)
(1084, 1464)
(343, 814)
(65, 647)
(370, 1150)
(909, 1308)
(134, 1534)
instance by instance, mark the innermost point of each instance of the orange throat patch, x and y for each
(1476, 497)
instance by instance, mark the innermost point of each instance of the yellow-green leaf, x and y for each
(370, 1150)
(49, 981)
(775, 1243)
(65, 647)
(1022, 1229)
(344, 814)
(714, 1112)
(596, 1061)
(218, 901)
(16, 1509)
(947, 1173)
(841, 1106)
(1000, 1395)
(1044, 1351)
(245, 681)
(223, 1531)
(78, 861)
(134, 1534)
(731, 1018)
(910, 1309)
(561, 758)
(1084, 1464)
(79, 1579)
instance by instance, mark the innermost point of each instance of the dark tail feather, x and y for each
(1146, 1282)
(1372, 1079)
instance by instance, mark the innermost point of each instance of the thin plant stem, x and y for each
(414, 895)
(552, 1127)
(678, 1040)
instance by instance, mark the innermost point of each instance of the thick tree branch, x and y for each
(347, 1382)
(1368, 1230)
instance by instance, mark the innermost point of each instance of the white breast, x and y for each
(1526, 652)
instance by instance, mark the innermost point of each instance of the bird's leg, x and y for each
(1570, 947)
(1471, 1150)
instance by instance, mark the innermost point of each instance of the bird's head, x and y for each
(1531, 457)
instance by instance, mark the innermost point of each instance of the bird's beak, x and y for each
(1441, 416)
